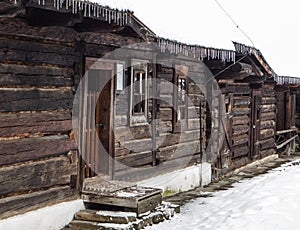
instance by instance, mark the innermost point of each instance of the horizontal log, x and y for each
(142, 145)
(136, 174)
(268, 116)
(268, 92)
(267, 152)
(20, 204)
(241, 139)
(268, 100)
(240, 120)
(240, 129)
(240, 111)
(14, 151)
(238, 88)
(267, 144)
(267, 124)
(267, 133)
(134, 160)
(20, 99)
(178, 151)
(133, 133)
(241, 101)
(35, 70)
(241, 151)
(36, 175)
(32, 46)
(18, 27)
(31, 123)
(36, 57)
(268, 108)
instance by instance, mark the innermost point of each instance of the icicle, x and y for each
(43, 2)
(89, 7)
(54, 3)
(85, 10)
(126, 18)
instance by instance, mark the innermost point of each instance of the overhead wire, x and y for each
(234, 22)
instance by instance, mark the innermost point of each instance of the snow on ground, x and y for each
(269, 201)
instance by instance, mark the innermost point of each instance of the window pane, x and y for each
(120, 76)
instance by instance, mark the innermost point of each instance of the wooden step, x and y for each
(106, 216)
(135, 198)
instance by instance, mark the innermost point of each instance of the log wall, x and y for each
(136, 146)
(38, 154)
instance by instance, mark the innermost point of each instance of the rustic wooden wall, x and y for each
(38, 157)
(249, 125)
(268, 124)
(134, 144)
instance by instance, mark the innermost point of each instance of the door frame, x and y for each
(110, 65)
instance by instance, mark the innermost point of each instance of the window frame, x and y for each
(138, 66)
(180, 71)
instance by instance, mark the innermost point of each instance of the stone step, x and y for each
(90, 225)
(106, 216)
(93, 219)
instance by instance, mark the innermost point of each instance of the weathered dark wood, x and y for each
(267, 144)
(240, 129)
(14, 55)
(267, 133)
(32, 46)
(241, 151)
(240, 120)
(241, 139)
(20, 204)
(135, 159)
(35, 99)
(18, 27)
(36, 175)
(178, 151)
(14, 151)
(31, 123)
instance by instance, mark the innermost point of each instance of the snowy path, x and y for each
(269, 201)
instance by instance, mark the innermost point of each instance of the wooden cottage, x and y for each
(87, 90)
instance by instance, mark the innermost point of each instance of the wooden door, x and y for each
(255, 121)
(99, 115)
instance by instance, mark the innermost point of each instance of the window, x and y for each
(120, 76)
(139, 92)
(181, 98)
(180, 115)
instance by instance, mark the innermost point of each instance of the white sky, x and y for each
(273, 25)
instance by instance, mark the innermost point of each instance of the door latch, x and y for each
(100, 125)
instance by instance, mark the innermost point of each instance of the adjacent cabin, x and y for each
(87, 90)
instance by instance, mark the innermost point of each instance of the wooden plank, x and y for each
(35, 57)
(148, 204)
(30, 123)
(36, 175)
(20, 204)
(134, 160)
(266, 133)
(240, 120)
(178, 151)
(109, 200)
(241, 151)
(240, 129)
(14, 151)
(19, 69)
(241, 139)
(268, 116)
(18, 27)
(267, 144)
(35, 99)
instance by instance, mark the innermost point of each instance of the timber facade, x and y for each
(136, 112)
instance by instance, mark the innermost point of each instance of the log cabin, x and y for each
(87, 90)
